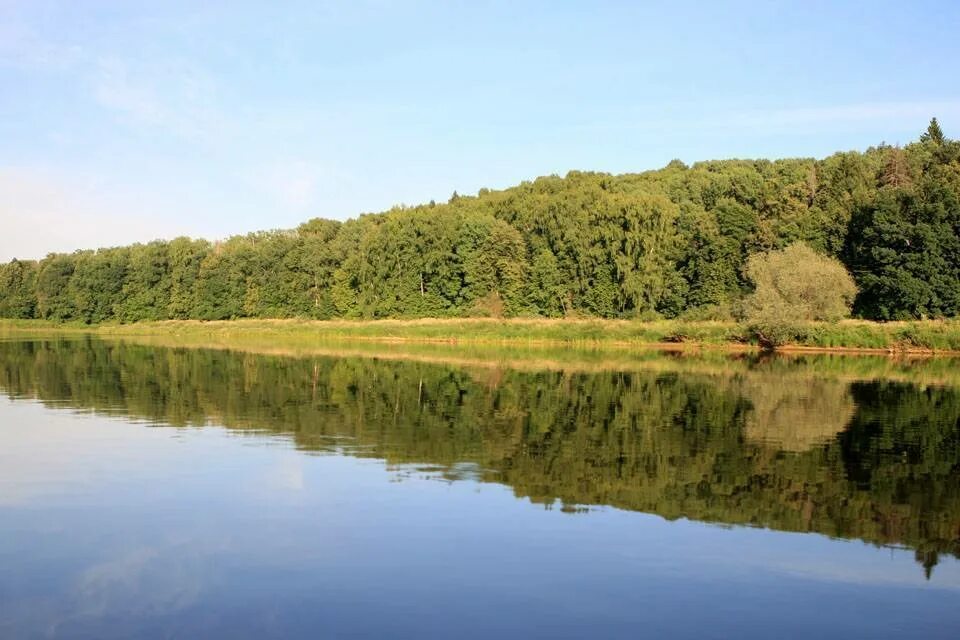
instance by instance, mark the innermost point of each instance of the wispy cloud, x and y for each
(22, 47)
(175, 96)
(166, 92)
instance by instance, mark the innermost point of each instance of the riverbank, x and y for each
(924, 337)
(418, 341)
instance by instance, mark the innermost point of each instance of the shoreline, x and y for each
(790, 366)
(924, 338)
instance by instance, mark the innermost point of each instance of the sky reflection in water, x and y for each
(292, 523)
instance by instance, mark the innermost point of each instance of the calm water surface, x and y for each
(151, 492)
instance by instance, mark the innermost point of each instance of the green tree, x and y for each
(220, 291)
(54, 301)
(905, 252)
(18, 289)
(933, 133)
(97, 282)
(185, 257)
(547, 293)
(148, 283)
(795, 285)
(317, 259)
(663, 242)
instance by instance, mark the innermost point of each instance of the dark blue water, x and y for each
(177, 494)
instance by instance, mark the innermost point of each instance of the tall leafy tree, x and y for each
(18, 298)
(661, 242)
(54, 301)
(905, 253)
(97, 283)
(185, 257)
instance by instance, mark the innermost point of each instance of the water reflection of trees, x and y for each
(795, 414)
(878, 461)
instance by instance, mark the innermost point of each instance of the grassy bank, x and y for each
(488, 347)
(932, 336)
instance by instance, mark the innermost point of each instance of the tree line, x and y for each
(770, 443)
(677, 241)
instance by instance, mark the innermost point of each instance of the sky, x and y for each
(127, 121)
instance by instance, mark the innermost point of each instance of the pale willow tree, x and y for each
(794, 286)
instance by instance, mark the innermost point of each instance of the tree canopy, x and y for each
(669, 242)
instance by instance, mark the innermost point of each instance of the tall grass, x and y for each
(918, 336)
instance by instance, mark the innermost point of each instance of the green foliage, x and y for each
(933, 133)
(905, 250)
(221, 287)
(147, 286)
(185, 256)
(98, 280)
(794, 286)
(547, 292)
(663, 243)
(54, 301)
(18, 290)
(799, 283)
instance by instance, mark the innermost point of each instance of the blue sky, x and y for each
(127, 121)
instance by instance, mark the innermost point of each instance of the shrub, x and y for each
(791, 287)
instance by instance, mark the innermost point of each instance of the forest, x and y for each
(674, 242)
(768, 443)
